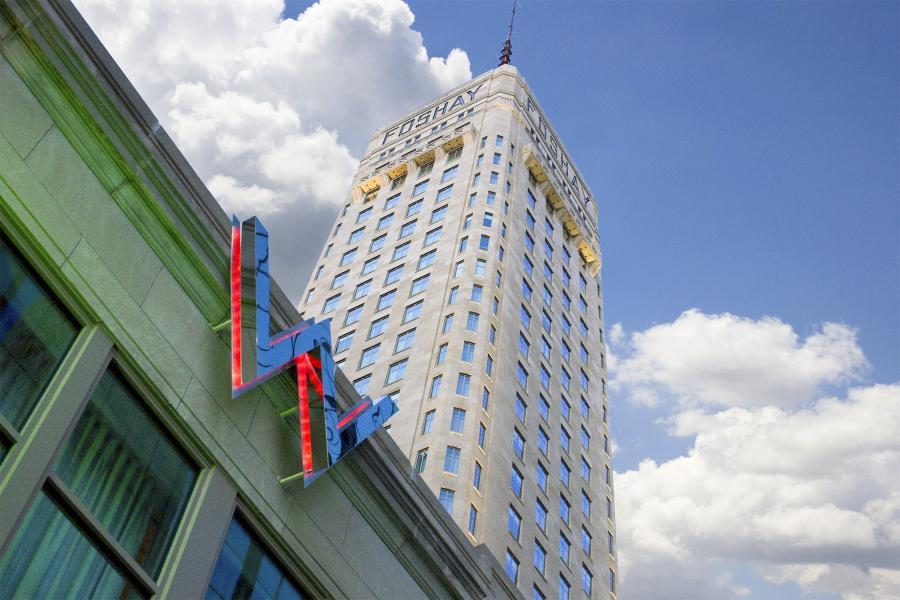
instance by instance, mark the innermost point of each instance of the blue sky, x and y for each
(744, 157)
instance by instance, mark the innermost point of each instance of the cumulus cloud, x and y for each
(727, 360)
(274, 112)
(802, 487)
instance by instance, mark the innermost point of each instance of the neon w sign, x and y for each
(325, 436)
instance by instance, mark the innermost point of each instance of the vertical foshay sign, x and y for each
(325, 435)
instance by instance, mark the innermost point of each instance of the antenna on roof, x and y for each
(506, 51)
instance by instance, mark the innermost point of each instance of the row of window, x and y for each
(118, 469)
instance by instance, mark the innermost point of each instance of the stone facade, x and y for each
(504, 341)
(114, 226)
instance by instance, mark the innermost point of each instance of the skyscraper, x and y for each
(461, 278)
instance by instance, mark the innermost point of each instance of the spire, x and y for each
(506, 51)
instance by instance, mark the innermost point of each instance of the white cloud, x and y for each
(804, 490)
(727, 360)
(273, 112)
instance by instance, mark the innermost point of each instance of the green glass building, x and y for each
(126, 469)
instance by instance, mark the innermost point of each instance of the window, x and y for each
(472, 197)
(528, 265)
(472, 322)
(543, 441)
(546, 321)
(526, 290)
(582, 327)
(480, 266)
(421, 460)
(378, 243)
(520, 408)
(348, 257)
(529, 220)
(492, 334)
(458, 268)
(426, 260)
(462, 384)
(544, 407)
(438, 214)
(386, 300)
(432, 236)
(612, 581)
(540, 515)
(343, 342)
(567, 302)
(585, 408)
(384, 221)
(378, 326)
(468, 352)
(548, 227)
(473, 518)
(393, 275)
(495, 176)
(356, 235)
(406, 230)
(564, 408)
(400, 252)
(448, 324)
(495, 305)
(566, 326)
(496, 159)
(545, 378)
(368, 356)
(518, 444)
(585, 505)
(487, 220)
(547, 295)
(420, 187)
(512, 567)
(564, 547)
(340, 279)
(489, 365)
(364, 215)
(585, 541)
(463, 244)
(483, 140)
(446, 499)
(331, 303)
(529, 242)
(441, 354)
(396, 371)
(567, 279)
(418, 285)
(563, 588)
(412, 311)
(327, 250)
(405, 340)
(548, 272)
(454, 294)
(479, 160)
(484, 242)
(137, 469)
(516, 482)
(454, 154)
(428, 423)
(393, 200)
(540, 557)
(565, 379)
(565, 351)
(585, 438)
(449, 173)
(485, 398)
(513, 523)
(537, 594)
(476, 179)
(585, 470)
(362, 384)
(564, 473)
(610, 543)
(542, 477)
(245, 569)
(582, 283)
(583, 352)
(476, 479)
(482, 432)
(435, 386)
(586, 580)
(491, 198)
(451, 459)
(521, 375)
(370, 265)
(353, 315)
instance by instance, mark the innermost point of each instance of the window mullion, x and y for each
(22, 471)
(89, 524)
